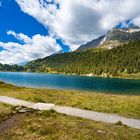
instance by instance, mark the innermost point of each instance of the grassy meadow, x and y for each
(126, 105)
(42, 125)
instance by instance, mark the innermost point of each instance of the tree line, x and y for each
(7, 67)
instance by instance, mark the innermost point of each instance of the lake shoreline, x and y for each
(97, 101)
(68, 82)
(125, 76)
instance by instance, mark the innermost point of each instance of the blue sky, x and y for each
(12, 18)
(31, 29)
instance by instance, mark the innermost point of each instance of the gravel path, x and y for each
(98, 116)
(92, 115)
(18, 102)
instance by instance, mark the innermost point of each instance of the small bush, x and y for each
(38, 99)
(119, 123)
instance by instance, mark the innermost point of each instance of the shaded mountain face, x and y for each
(113, 38)
(91, 44)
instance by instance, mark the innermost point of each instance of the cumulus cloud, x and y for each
(36, 47)
(74, 21)
(79, 21)
(136, 21)
(20, 36)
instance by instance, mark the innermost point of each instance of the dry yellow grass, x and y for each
(50, 125)
(54, 126)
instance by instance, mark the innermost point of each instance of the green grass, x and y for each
(53, 126)
(131, 76)
(42, 125)
(128, 106)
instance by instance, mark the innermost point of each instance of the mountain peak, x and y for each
(129, 29)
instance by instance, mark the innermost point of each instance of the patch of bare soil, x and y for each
(14, 120)
(10, 122)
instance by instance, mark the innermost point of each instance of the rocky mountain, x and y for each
(125, 34)
(114, 37)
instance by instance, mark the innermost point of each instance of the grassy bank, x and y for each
(53, 126)
(104, 75)
(135, 76)
(121, 76)
(5, 111)
(130, 76)
(128, 106)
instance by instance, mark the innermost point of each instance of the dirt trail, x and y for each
(92, 115)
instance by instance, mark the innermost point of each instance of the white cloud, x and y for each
(20, 36)
(79, 21)
(75, 22)
(36, 47)
(136, 21)
(38, 9)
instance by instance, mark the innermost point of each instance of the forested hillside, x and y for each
(6, 67)
(119, 60)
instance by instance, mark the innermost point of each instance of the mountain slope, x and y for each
(113, 38)
(117, 61)
(91, 44)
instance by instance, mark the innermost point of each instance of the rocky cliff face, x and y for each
(123, 35)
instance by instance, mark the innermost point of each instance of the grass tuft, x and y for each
(119, 123)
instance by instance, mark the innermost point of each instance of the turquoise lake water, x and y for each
(59, 81)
